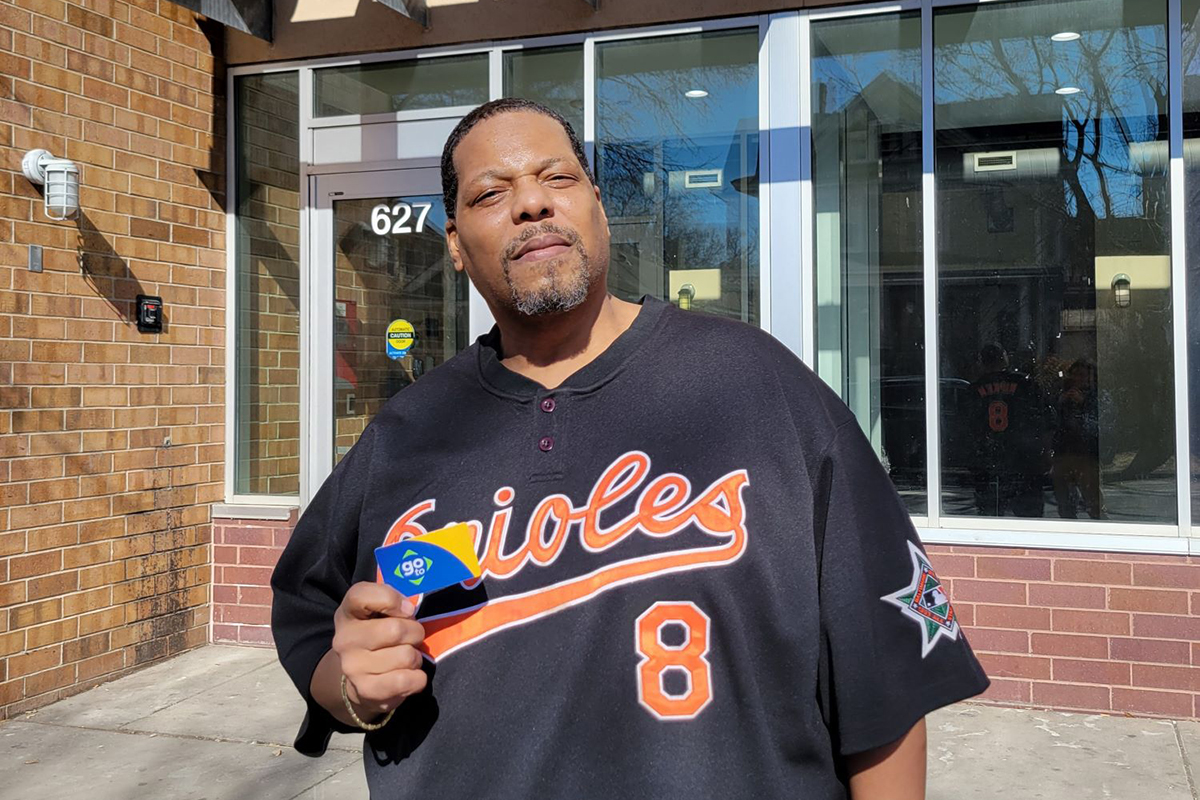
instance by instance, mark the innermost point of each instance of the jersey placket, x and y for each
(546, 440)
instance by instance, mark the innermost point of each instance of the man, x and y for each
(690, 589)
(1012, 426)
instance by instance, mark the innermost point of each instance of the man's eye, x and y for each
(488, 195)
(562, 178)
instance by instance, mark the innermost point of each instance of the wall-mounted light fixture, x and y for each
(1122, 287)
(686, 293)
(60, 177)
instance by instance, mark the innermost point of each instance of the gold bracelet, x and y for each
(366, 726)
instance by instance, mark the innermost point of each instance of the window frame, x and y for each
(479, 314)
(787, 288)
(934, 527)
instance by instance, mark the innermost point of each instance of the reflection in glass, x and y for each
(391, 264)
(677, 162)
(407, 85)
(1191, 160)
(552, 76)
(866, 129)
(267, 338)
(1054, 262)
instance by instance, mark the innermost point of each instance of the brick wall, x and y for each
(1102, 632)
(111, 441)
(1082, 631)
(244, 553)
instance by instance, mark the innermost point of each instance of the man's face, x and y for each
(530, 230)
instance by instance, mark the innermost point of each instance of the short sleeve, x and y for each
(892, 650)
(312, 576)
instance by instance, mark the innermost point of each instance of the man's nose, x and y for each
(531, 201)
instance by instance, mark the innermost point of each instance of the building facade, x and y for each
(975, 221)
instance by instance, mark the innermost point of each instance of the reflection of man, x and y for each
(1077, 444)
(1011, 423)
(688, 588)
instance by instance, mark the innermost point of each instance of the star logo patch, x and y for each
(925, 601)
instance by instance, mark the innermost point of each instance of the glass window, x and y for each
(401, 85)
(677, 162)
(866, 166)
(552, 76)
(267, 343)
(1191, 160)
(399, 308)
(1054, 274)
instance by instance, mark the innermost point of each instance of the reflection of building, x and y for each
(888, 226)
(393, 276)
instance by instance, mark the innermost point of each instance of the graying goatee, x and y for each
(558, 289)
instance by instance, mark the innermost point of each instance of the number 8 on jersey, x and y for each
(659, 658)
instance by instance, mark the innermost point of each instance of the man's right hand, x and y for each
(375, 646)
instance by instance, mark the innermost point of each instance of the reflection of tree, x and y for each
(648, 134)
(841, 79)
(637, 111)
(1101, 102)
(1100, 123)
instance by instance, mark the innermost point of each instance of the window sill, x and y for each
(246, 511)
(1064, 540)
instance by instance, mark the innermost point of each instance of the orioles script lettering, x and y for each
(665, 507)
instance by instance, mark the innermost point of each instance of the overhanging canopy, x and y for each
(413, 9)
(249, 16)
(255, 18)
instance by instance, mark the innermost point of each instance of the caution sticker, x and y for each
(400, 338)
(430, 562)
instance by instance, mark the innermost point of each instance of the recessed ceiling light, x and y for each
(695, 93)
(1068, 90)
(1066, 36)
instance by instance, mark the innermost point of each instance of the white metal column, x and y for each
(1179, 309)
(784, 173)
(933, 453)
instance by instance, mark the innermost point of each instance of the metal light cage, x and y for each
(60, 177)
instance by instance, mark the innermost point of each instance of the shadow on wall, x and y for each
(107, 272)
(104, 269)
(213, 179)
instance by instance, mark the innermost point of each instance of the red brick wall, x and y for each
(1102, 632)
(244, 553)
(1059, 629)
(111, 441)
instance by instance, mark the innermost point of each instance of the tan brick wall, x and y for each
(111, 440)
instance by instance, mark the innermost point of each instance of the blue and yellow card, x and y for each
(430, 562)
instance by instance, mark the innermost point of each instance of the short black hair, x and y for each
(993, 355)
(486, 111)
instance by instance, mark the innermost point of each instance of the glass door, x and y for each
(388, 305)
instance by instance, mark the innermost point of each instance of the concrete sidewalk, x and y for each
(217, 724)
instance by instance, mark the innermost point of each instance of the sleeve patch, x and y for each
(926, 602)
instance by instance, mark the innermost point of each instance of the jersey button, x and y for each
(546, 444)
(548, 405)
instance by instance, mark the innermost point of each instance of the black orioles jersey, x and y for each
(698, 581)
(1011, 421)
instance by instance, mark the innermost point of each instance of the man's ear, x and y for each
(600, 203)
(452, 244)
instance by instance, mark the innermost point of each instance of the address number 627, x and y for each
(387, 219)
